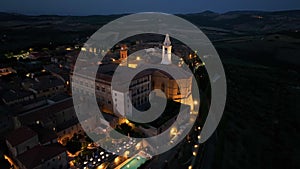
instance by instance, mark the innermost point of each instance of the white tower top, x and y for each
(167, 41)
(166, 51)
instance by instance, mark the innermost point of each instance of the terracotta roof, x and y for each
(40, 154)
(20, 135)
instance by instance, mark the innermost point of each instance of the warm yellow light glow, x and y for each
(195, 102)
(138, 58)
(199, 128)
(173, 131)
(195, 146)
(194, 153)
(102, 166)
(190, 167)
(9, 160)
(126, 154)
(138, 146)
(83, 49)
(117, 160)
(132, 65)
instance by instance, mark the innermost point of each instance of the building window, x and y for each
(163, 87)
(178, 91)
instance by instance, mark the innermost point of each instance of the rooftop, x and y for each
(172, 110)
(46, 82)
(12, 95)
(66, 124)
(45, 135)
(45, 113)
(20, 135)
(37, 155)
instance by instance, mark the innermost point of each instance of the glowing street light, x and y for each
(195, 102)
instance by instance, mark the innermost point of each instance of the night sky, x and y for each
(93, 7)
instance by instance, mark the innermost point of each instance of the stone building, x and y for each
(29, 153)
(117, 99)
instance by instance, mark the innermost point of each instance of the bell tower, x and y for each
(166, 51)
(123, 52)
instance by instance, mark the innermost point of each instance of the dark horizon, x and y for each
(105, 7)
(203, 11)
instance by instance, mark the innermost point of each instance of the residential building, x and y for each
(21, 140)
(53, 156)
(36, 150)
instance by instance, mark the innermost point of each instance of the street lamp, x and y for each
(195, 102)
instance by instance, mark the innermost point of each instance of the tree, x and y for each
(73, 146)
(125, 128)
(4, 163)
